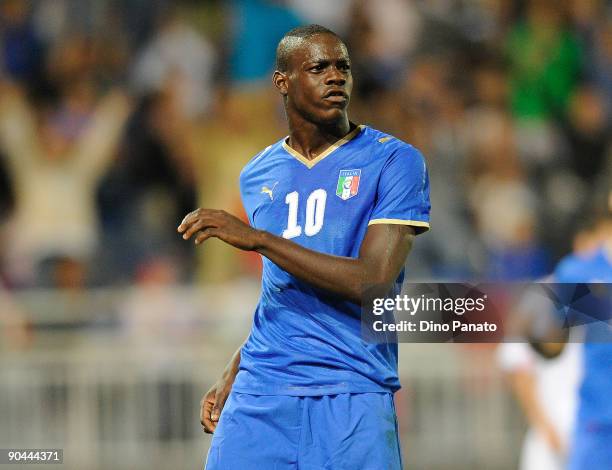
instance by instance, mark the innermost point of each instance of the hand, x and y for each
(208, 223)
(212, 404)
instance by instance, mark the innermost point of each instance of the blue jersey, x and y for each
(304, 341)
(595, 409)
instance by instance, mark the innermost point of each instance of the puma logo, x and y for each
(268, 191)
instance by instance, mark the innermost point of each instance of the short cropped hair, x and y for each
(292, 38)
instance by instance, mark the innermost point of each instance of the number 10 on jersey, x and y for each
(315, 213)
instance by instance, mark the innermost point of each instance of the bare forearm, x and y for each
(524, 389)
(233, 366)
(340, 275)
(382, 253)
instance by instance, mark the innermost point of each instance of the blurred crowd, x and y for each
(119, 117)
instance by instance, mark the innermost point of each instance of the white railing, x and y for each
(115, 400)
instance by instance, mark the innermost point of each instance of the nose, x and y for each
(335, 77)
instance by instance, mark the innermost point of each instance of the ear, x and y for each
(280, 82)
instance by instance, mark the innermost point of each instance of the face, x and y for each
(318, 82)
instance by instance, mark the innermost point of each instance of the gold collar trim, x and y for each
(339, 143)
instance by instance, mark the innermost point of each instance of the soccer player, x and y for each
(334, 207)
(591, 448)
(545, 386)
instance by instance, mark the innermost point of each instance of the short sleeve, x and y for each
(246, 198)
(403, 191)
(512, 357)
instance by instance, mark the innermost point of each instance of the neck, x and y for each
(311, 139)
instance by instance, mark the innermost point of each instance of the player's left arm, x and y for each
(382, 254)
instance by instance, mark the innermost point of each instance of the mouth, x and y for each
(336, 96)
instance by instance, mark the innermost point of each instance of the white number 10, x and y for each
(315, 212)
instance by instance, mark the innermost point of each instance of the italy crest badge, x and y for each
(348, 184)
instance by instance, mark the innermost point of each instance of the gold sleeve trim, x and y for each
(414, 223)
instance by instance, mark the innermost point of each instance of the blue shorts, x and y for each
(591, 451)
(278, 432)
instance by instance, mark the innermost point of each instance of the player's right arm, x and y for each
(401, 211)
(213, 401)
(518, 363)
(382, 254)
(524, 388)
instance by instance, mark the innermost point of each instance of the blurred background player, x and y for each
(545, 388)
(545, 377)
(544, 381)
(593, 429)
